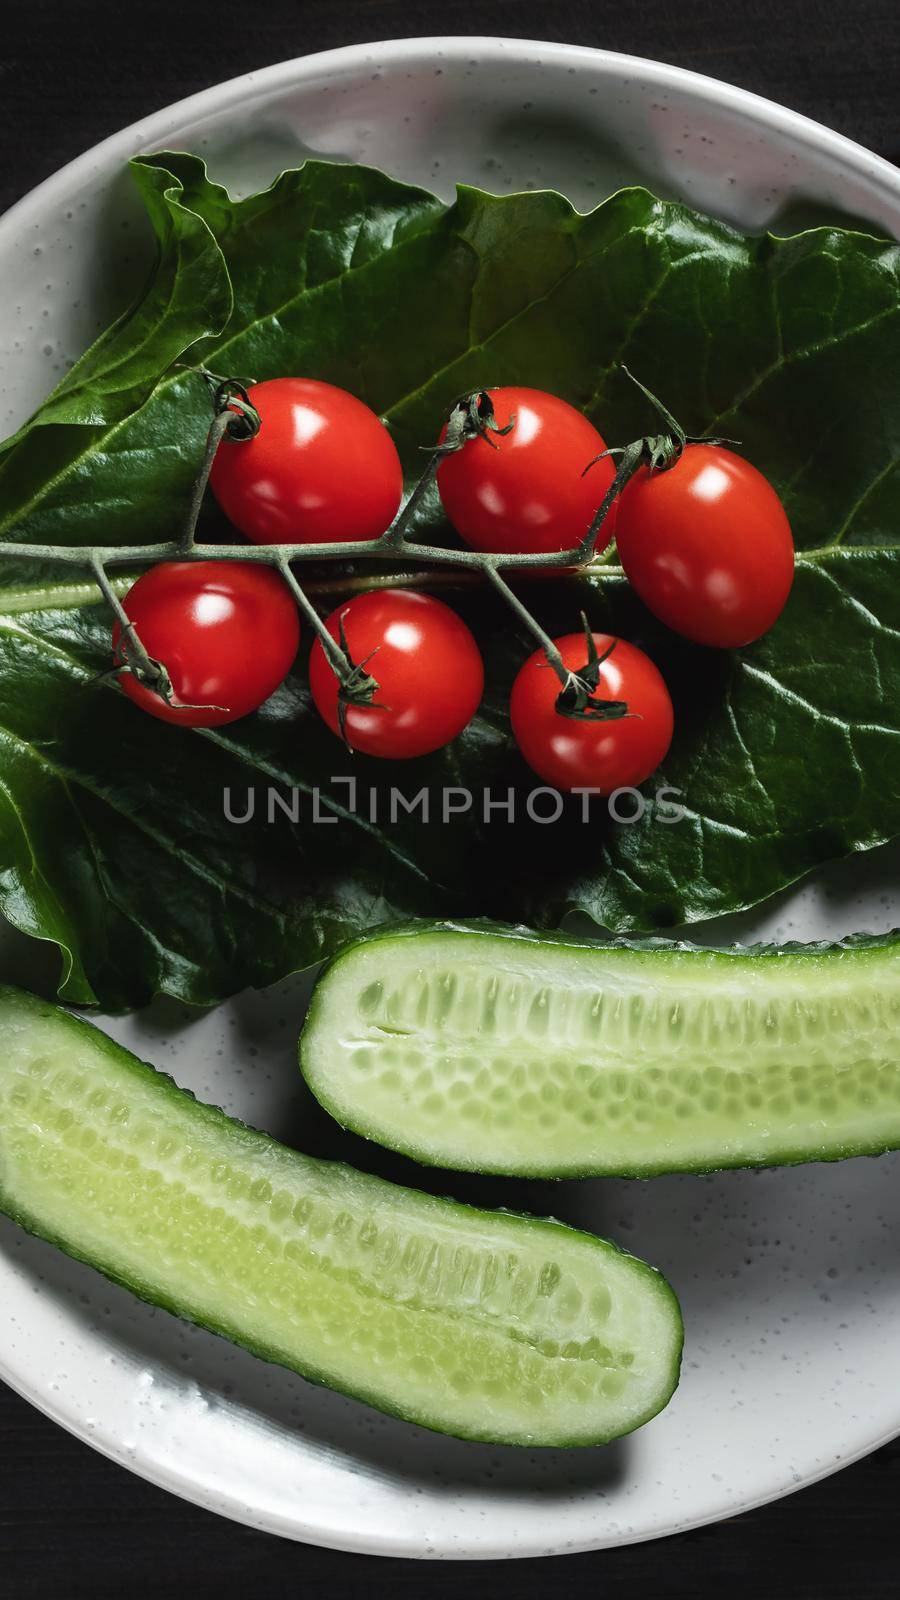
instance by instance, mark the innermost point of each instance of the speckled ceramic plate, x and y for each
(790, 1280)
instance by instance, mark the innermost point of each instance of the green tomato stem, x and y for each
(396, 533)
(531, 622)
(339, 662)
(140, 658)
(236, 416)
(218, 429)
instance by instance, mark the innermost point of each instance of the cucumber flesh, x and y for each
(481, 1324)
(494, 1050)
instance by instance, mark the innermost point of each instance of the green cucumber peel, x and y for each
(486, 1325)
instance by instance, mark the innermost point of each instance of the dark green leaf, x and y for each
(113, 840)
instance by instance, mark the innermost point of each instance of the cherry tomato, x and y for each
(574, 753)
(426, 663)
(524, 491)
(322, 469)
(707, 545)
(226, 631)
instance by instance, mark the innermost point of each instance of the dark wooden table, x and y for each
(72, 1524)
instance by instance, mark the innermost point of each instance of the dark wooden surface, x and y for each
(72, 1524)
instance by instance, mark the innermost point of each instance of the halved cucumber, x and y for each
(482, 1324)
(496, 1050)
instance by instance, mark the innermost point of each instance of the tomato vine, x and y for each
(234, 415)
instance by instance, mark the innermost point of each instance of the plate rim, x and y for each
(146, 133)
(389, 1546)
(869, 165)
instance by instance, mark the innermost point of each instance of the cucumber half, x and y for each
(476, 1323)
(493, 1050)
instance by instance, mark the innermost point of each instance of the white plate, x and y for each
(789, 1279)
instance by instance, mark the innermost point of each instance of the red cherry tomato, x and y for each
(322, 469)
(426, 663)
(524, 491)
(574, 753)
(707, 545)
(226, 631)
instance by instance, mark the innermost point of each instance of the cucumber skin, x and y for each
(641, 944)
(23, 1002)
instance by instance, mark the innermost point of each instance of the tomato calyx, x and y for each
(356, 687)
(153, 675)
(658, 452)
(577, 698)
(473, 417)
(132, 658)
(229, 396)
